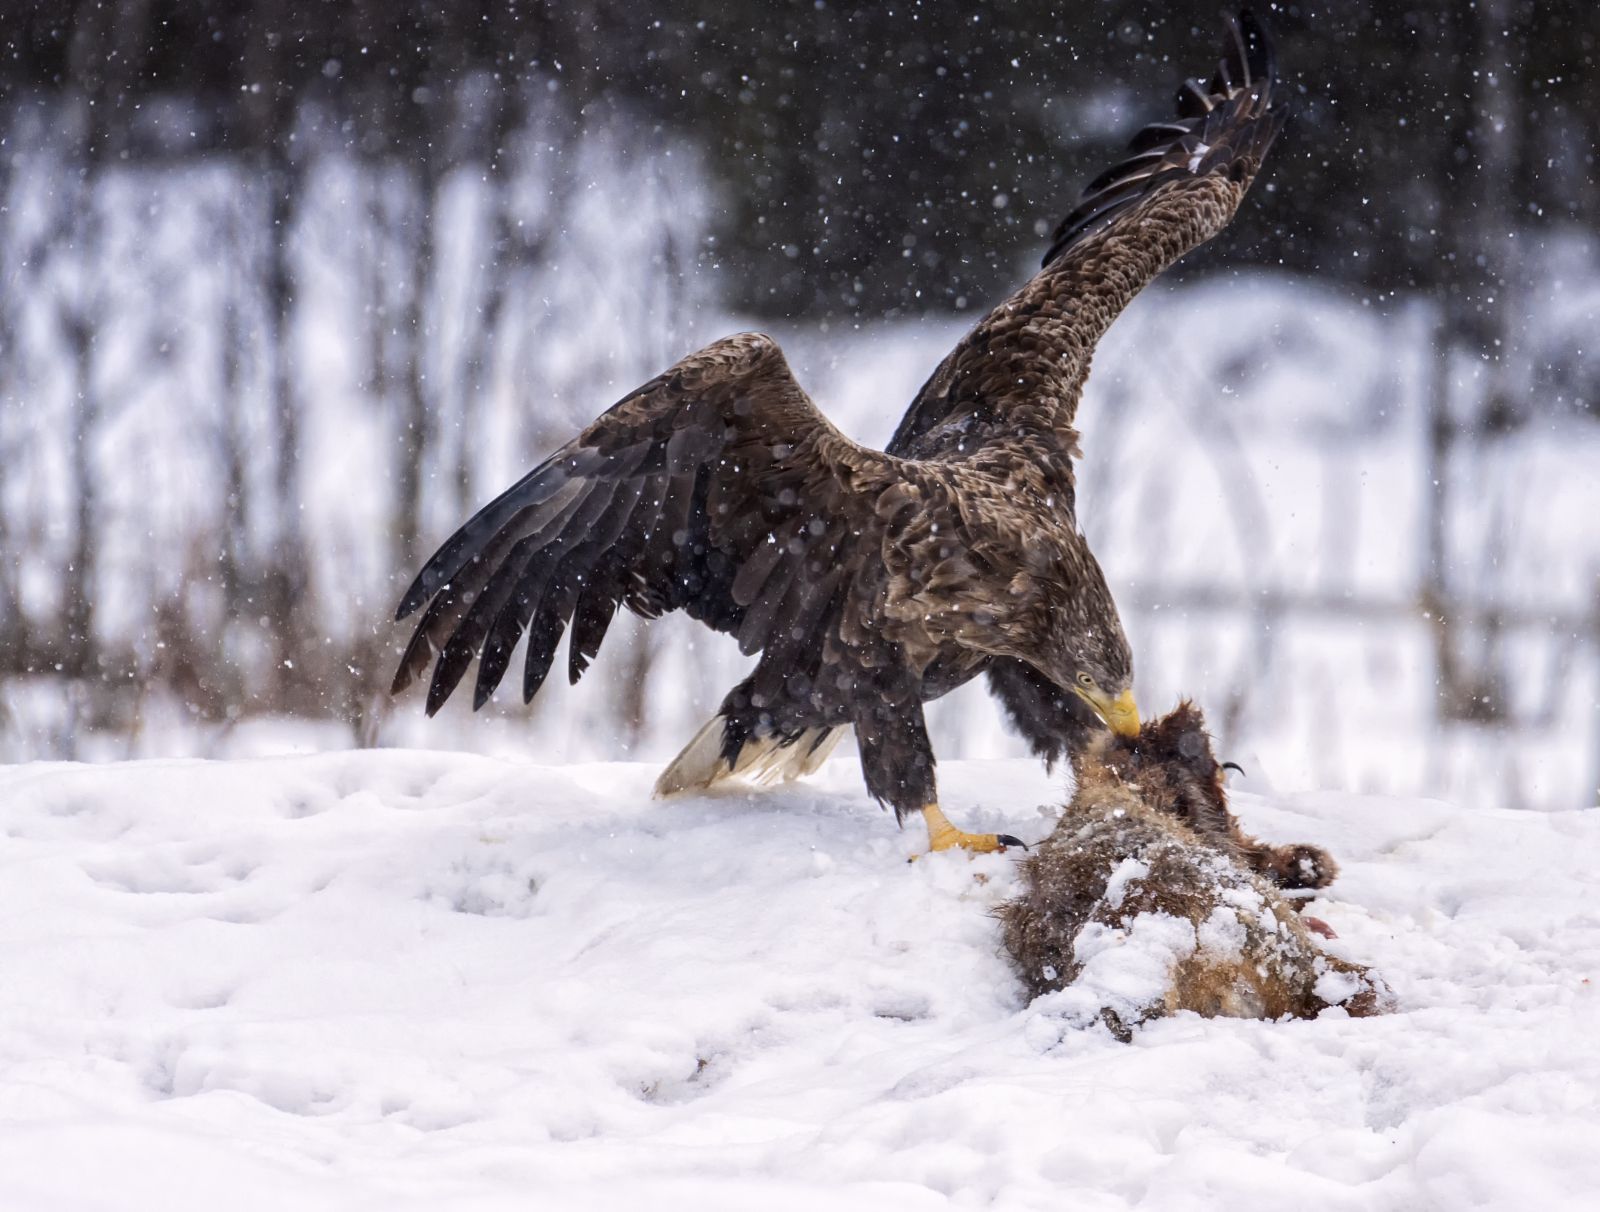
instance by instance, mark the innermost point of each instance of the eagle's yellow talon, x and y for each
(942, 835)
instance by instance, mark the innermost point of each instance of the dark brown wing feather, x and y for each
(716, 488)
(1225, 127)
(1180, 187)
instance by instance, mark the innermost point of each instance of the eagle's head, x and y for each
(1058, 617)
(1084, 649)
(1101, 669)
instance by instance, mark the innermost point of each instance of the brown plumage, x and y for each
(1147, 844)
(868, 581)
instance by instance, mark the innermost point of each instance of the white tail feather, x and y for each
(699, 765)
(763, 761)
(813, 749)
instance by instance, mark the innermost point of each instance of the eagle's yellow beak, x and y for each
(1120, 713)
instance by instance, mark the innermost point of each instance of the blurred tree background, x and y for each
(439, 168)
(879, 157)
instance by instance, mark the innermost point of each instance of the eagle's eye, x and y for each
(1086, 681)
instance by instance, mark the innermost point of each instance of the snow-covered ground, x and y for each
(389, 979)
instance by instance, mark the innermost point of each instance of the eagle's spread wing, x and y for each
(1178, 188)
(717, 488)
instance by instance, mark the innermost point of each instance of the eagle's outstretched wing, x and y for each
(717, 487)
(1181, 186)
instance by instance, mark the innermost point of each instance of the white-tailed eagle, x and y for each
(868, 581)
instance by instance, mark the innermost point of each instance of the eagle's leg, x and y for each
(897, 760)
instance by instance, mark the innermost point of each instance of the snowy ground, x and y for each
(392, 980)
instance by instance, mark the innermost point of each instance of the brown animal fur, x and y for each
(1148, 850)
(1172, 765)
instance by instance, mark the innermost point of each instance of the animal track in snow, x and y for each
(189, 873)
(152, 875)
